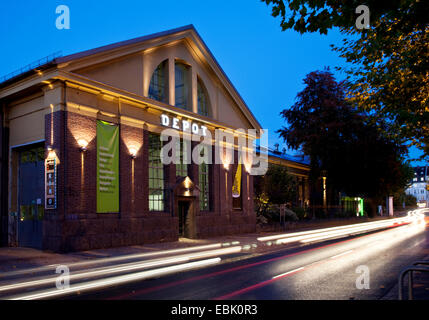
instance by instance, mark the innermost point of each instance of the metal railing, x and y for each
(31, 66)
(417, 266)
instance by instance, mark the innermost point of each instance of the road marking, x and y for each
(289, 272)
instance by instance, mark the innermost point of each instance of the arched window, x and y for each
(182, 81)
(158, 82)
(203, 99)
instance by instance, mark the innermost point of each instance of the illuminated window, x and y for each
(203, 174)
(182, 167)
(203, 100)
(156, 174)
(158, 83)
(182, 80)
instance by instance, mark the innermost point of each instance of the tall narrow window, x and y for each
(158, 83)
(203, 100)
(156, 175)
(203, 175)
(182, 79)
(237, 199)
(182, 167)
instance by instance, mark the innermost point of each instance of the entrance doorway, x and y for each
(31, 196)
(183, 212)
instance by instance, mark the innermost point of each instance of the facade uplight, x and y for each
(83, 144)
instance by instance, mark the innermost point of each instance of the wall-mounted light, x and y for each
(133, 153)
(226, 166)
(83, 144)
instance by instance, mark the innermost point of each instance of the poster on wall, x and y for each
(50, 183)
(107, 167)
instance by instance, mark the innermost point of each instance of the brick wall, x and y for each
(76, 225)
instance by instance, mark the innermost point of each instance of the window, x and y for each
(203, 101)
(33, 155)
(182, 167)
(156, 175)
(203, 175)
(182, 85)
(158, 83)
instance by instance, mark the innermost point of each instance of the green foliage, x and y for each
(388, 71)
(359, 160)
(401, 198)
(277, 186)
(271, 214)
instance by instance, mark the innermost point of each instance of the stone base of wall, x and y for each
(100, 232)
(215, 225)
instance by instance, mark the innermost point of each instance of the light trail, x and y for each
(395, 234)
(360, 225)
(234, 269)
(97, 284)
(111, 259)
(123, 268)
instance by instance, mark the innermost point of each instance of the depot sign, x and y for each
(183, 125)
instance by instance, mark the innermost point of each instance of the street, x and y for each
(352, 262)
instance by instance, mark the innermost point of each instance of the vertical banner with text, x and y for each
(107, 167)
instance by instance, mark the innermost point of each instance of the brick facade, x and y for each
(75, 225)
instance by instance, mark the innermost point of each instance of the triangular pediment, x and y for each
(128, 66)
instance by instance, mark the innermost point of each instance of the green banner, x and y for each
(107, 167)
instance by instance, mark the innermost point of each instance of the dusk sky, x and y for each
(266, 65)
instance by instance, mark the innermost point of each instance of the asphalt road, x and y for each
(333, 269)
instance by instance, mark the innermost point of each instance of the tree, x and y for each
(340, 140)
(277, 186)
(389, 62)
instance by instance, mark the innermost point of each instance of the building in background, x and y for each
(299, 168)
(419, 185)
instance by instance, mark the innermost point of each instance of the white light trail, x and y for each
(294, 234)
(124, 268)
(111, 259)
(97, 284)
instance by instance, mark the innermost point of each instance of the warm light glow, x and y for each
(187, 183)
(133, 152)
(247, 161)
(83, 144)
(52, 154)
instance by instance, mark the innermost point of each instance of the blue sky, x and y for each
(266, 65)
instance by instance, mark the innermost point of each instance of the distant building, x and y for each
(297, 166)
(418, 185)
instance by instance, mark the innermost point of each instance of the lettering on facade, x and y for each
(183, 125)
